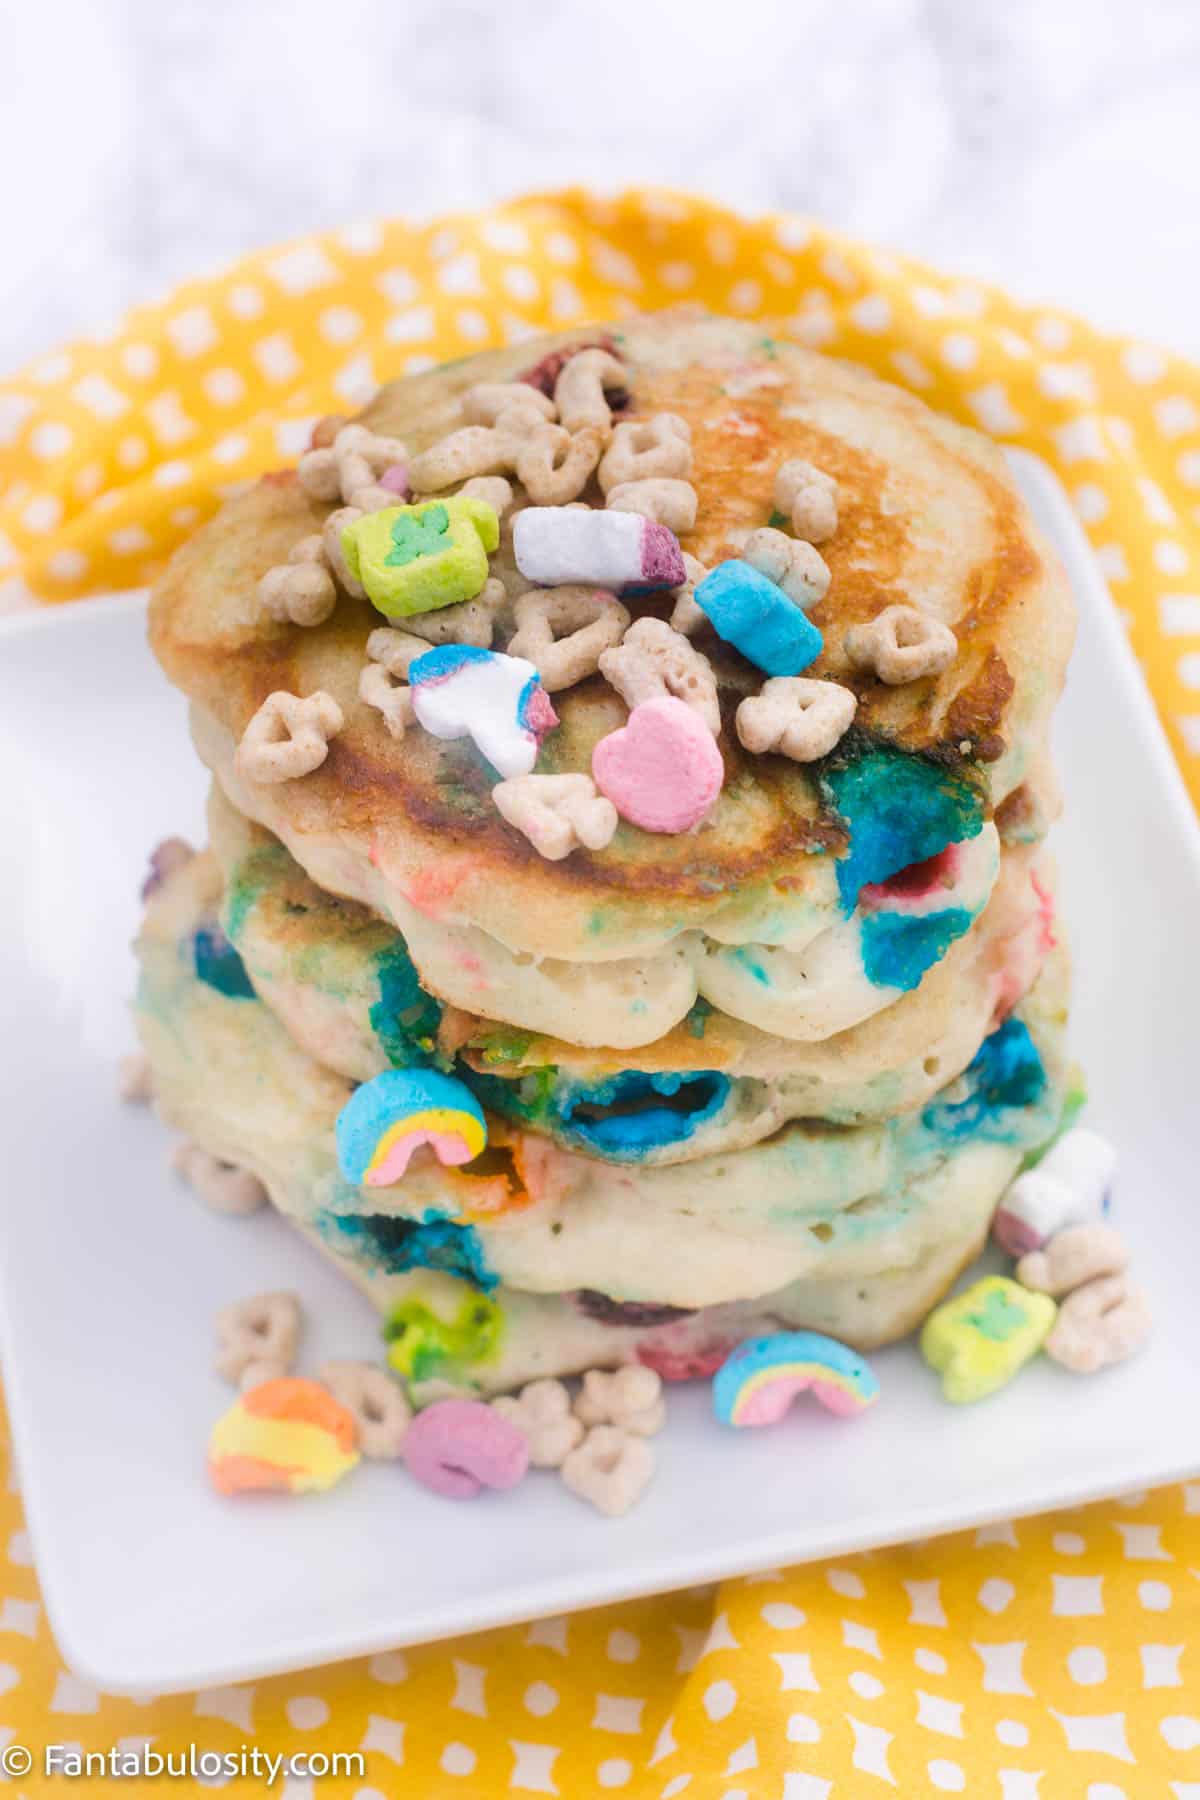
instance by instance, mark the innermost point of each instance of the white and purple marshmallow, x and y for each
(621, 551)
(1069, 1186)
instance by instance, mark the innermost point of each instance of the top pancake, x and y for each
(927, 514)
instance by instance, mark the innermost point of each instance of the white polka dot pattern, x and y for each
(1026, 1686)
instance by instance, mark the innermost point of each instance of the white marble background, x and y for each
(1050, 144)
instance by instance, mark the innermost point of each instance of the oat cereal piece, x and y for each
(542, 1410)
(809, 499)
(557, 813)
(581, 391)
(392, 698)
(480, 449)
(671, 503)
(644, 448)
(686, 617)
(1101, 1323)
(487, 400)
(795, 567)
(325, 431)
(1072, 1258)
(288, 736)
(609, 1469)
(493, 490)
(221, 1185)
(901, 644)
(652, 660)
(564, 631)
(796, 717)
(259, 1335)
(335, 553)
(630, 1398)
(300, 591)
(350, 468)
(553, 465)
(378, 1405)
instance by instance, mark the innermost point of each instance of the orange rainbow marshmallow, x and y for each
(288, 1436)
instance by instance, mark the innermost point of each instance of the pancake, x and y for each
(824, 979)
(407, 826)
(813, 1202)
(343, 985)
(446, 1337)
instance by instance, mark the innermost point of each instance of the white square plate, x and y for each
(111, 1274)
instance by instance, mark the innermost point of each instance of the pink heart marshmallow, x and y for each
(662, 770)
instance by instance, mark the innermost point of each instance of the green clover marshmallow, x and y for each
(982, 1337)
(415, 559)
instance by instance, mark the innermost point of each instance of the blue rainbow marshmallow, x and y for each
(389, 1117)
(757, 1383)
(756, 617)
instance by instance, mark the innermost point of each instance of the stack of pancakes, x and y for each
(769, 1073)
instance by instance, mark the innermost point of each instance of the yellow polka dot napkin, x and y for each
(1055, 1659)
(1052, 1659)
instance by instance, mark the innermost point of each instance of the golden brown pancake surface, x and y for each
(927, 514)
